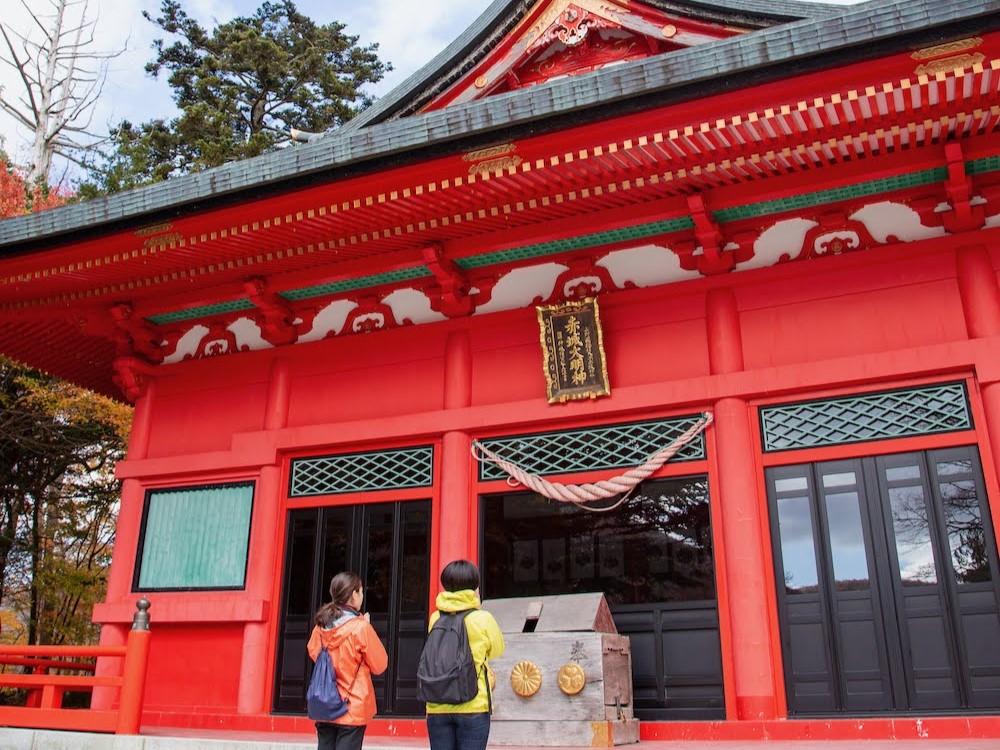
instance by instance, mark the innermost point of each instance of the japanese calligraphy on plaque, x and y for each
(573, 350)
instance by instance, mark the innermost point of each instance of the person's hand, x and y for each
(367, 616)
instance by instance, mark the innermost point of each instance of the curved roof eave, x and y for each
(766, 50)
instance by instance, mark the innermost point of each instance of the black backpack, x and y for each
(447, 672)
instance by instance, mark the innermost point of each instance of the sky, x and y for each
(409, 33)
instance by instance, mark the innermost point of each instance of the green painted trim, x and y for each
(983, 166)
(362, 282)
(201, 312)
(833, 195)
(584, 241)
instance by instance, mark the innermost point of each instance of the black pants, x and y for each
(339, 736)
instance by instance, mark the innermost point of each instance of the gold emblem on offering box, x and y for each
(526, 678)
(571, 678)
(573, 351)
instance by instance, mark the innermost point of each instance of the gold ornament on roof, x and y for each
(526, 678)
(571, 678)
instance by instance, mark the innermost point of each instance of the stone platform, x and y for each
(188, 739)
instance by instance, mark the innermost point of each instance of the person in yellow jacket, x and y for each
(356, 652)
(465, 726)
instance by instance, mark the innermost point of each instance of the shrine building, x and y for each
(577, 230)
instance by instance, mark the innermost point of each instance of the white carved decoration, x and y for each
(359, 322)
(412, 305)
(330, 319)
(187, 345)
(849, 240)
(592, 282)
(784, 238)
(993, 221)
(522, 286)
(885, 219)
(647, 265)
(247, 334)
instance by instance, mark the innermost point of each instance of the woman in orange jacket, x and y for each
(356, 653)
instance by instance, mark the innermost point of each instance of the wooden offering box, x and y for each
(566, 676)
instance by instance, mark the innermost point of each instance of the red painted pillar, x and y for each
(739, 509)
(123, 554)
(977, 285)
(252, 698)
(456, 520)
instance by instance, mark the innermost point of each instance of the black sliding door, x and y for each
(388, 545)
(887, 571)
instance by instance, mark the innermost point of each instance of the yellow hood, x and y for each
(457, 601)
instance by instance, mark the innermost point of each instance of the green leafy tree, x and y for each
(58, 501)
(241, 88)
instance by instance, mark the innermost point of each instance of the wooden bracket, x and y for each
(964, 215)
(713, 259)
(132, 376)
(134, 336)
(454, 300)
(276, 317)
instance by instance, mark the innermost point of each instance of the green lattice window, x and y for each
(363, 472)
(610, 447)
(195, 538)
(870, 416)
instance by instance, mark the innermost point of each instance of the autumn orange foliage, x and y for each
(17, 198)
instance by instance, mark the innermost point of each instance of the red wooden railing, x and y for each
(43, 708)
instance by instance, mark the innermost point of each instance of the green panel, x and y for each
(983, 166)
(577, 243)
(609, 447)
(201, 312)
(196, 538)
(834, 195)
(362, 282)
(871, 416)
(363, 472)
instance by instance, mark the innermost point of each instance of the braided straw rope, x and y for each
(605, 489)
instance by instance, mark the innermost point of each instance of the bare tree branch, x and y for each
(61, 76)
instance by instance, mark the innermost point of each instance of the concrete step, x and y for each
(202, 739)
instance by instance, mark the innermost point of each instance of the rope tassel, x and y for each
(589, 492)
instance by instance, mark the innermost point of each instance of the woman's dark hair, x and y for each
(459, 575)
(341, 587)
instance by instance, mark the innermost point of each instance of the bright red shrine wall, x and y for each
(807, 322)
(195, 667)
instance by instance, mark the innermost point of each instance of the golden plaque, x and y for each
(573, 357)
(525, 678)
(571, 678)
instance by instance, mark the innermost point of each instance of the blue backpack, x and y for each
(323, 697)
